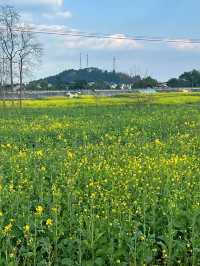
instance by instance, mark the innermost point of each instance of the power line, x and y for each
(105, 36)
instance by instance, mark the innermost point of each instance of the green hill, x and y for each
(87, 75)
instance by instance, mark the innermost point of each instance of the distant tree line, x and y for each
(145, 83)
(187, 79)
(97, 79)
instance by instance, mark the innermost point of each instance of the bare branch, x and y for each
(9, 19)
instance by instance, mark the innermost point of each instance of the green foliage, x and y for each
(177, 83)
(78, 85)
(187, 79)
(145, 83)
(72, 77)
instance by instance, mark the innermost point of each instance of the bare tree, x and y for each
(9, 20)
(4, 73)
(30, 51)
(2, 76)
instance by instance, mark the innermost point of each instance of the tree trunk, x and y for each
(21, 81)
(2, 82)
(4, 98)
(11, 79)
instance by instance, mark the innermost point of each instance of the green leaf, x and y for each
(99, 262)
(67, 261)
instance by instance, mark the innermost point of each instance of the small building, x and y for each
(147, 90)
(73, 94)
(126, 86)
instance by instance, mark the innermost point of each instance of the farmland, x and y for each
(101, 181)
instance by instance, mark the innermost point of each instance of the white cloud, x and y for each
(74, 41)
(69, 38)
(184, 44)
(59, 14)
(112, 43)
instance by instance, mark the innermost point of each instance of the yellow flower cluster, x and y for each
(7, 229)
(49, 222)
(39, 210)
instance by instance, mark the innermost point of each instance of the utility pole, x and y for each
(114, 64)
(87, 61)
(80, 61)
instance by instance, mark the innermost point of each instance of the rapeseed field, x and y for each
(108, 181)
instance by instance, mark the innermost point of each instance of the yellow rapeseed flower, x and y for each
(39, 153)
(70, 155)
(60, 137)
(43, 168)
(158, 142)
(7, 229)
(8, 145)
(39, 210)
(11, 187)
(142, 238)
(49, 222)
(54, 209)
(26, 229)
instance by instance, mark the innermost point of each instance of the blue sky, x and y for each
(159, 18)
